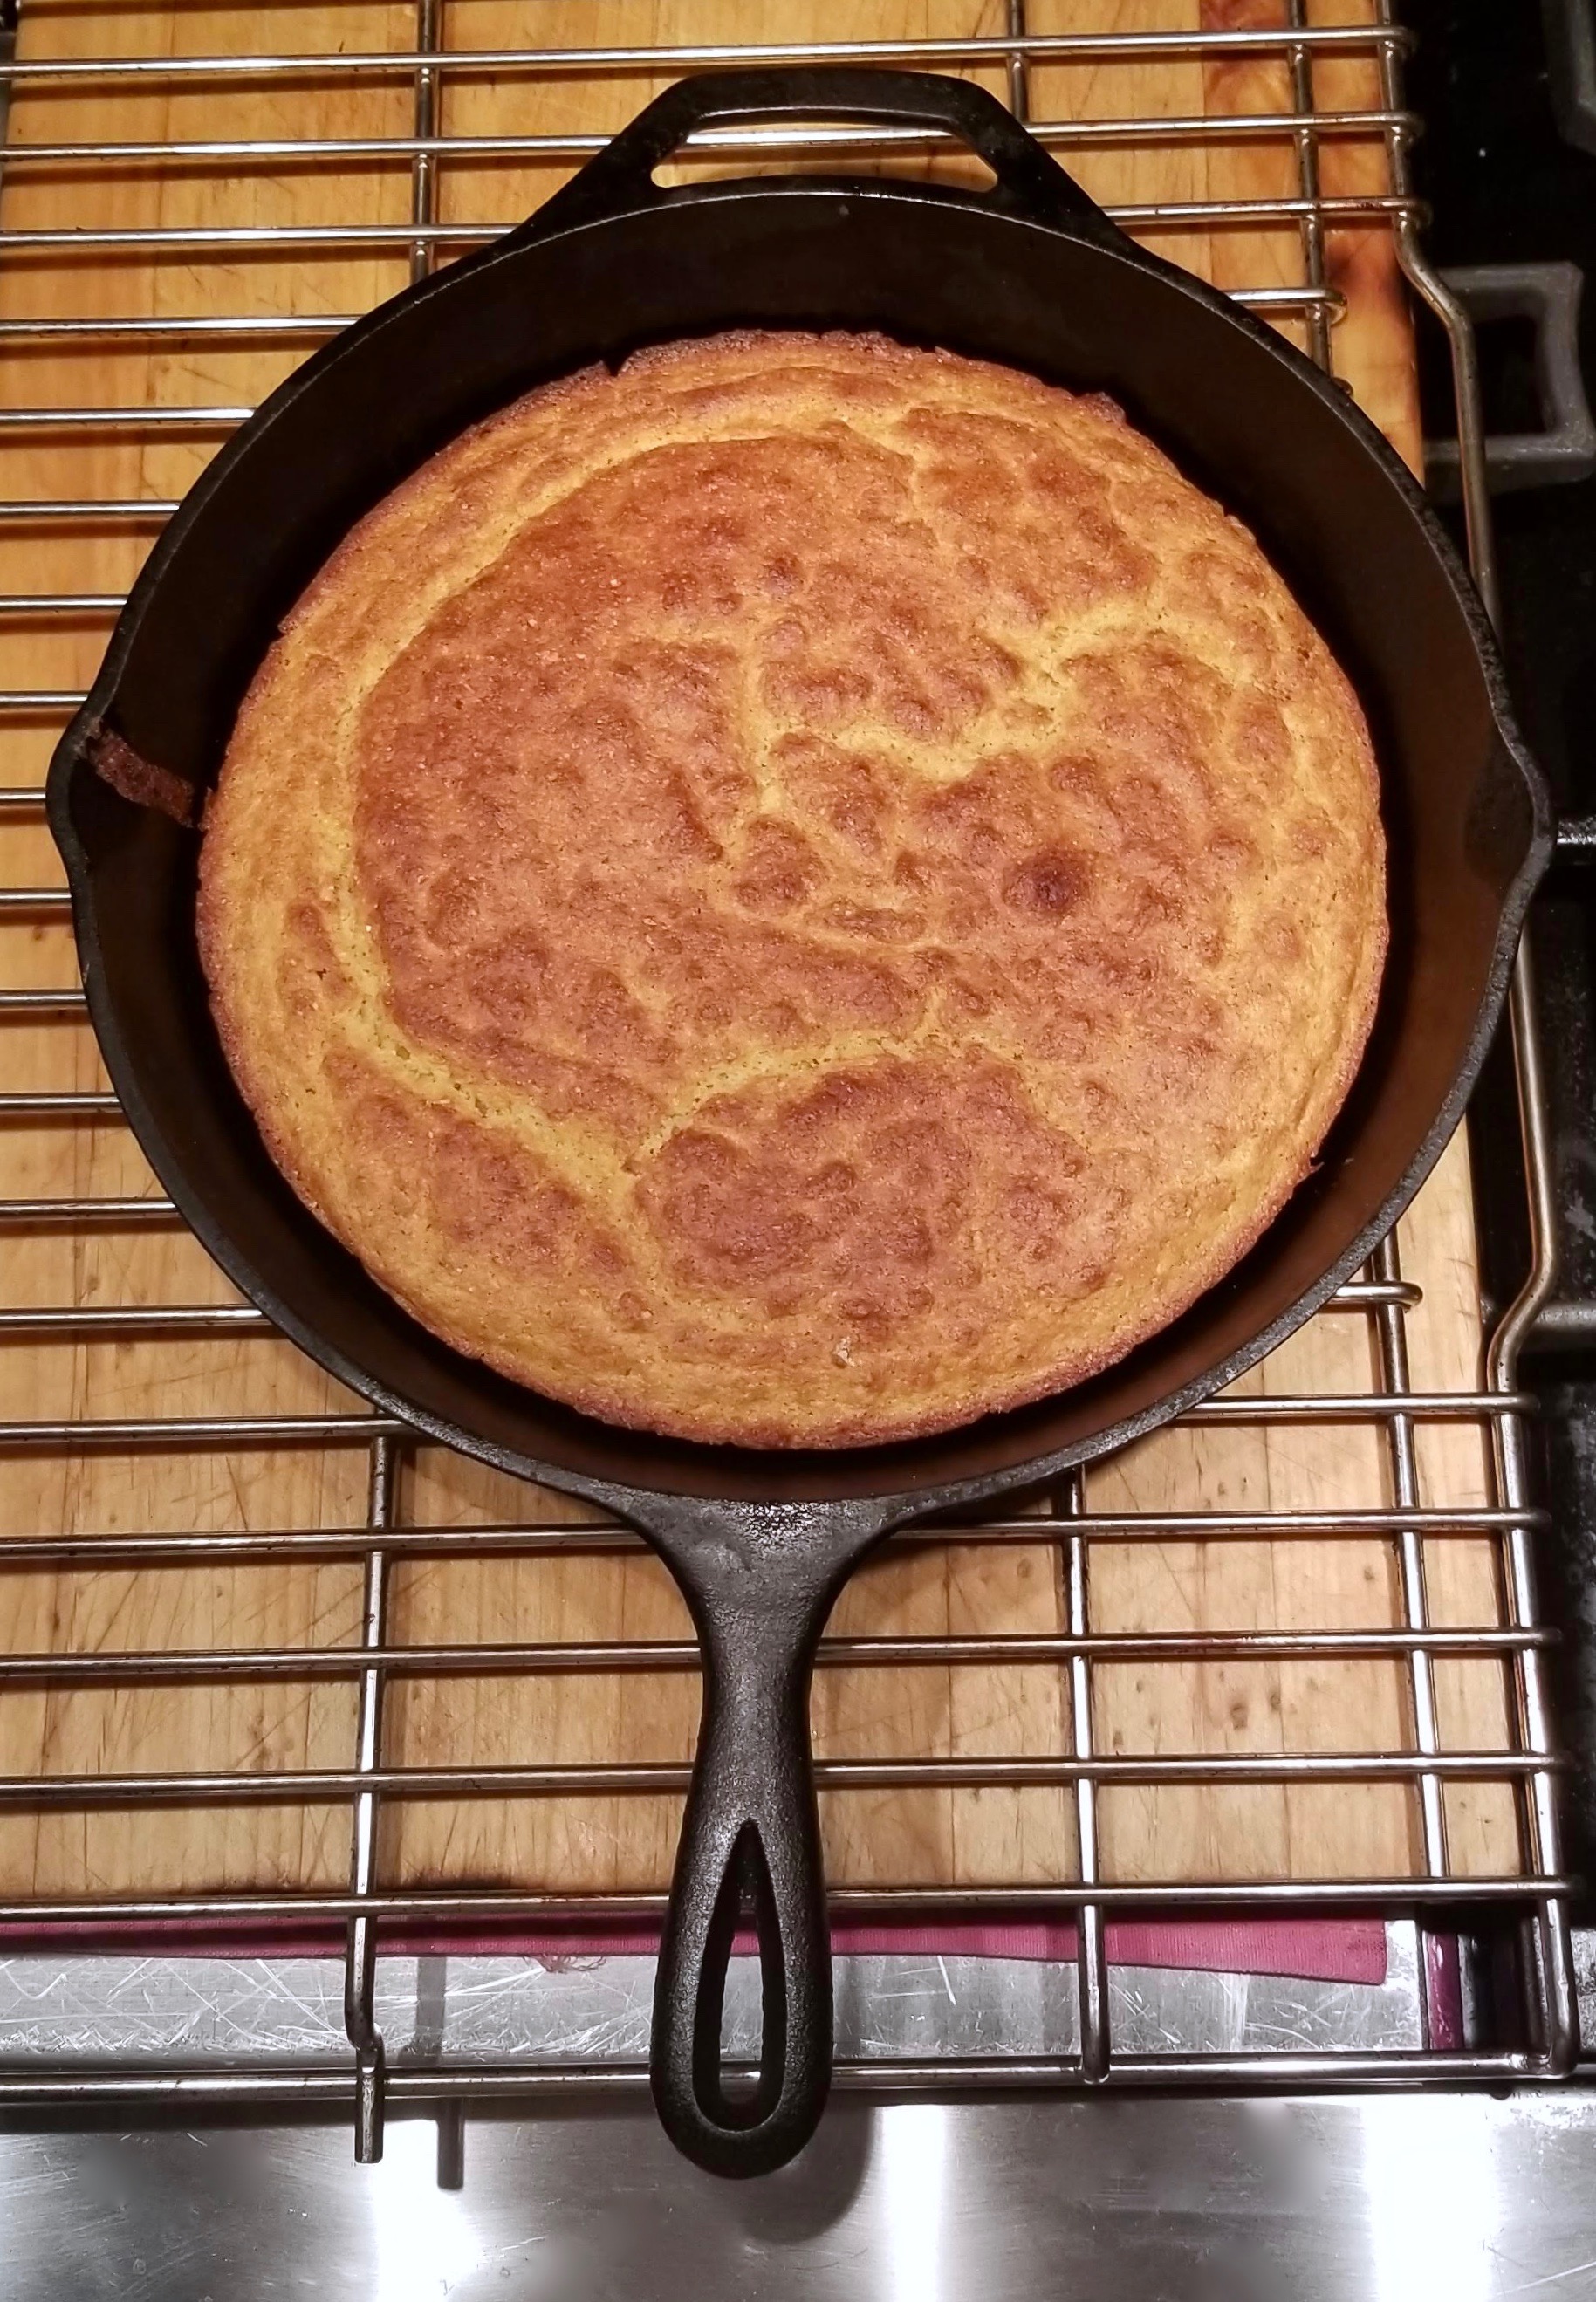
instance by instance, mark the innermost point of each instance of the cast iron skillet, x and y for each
(1028, 273)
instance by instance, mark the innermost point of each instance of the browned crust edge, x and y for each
(597, 1400)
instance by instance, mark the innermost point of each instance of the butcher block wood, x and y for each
(991, 1835)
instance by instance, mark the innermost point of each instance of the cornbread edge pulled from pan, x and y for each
(796, 894)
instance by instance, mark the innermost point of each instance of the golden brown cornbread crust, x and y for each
(796, 894)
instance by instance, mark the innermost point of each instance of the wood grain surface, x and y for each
(992, 1835)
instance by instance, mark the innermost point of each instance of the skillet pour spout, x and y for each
(1029, 273)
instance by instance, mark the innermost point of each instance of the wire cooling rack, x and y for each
(58, 1191)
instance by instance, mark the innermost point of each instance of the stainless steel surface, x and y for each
(462, 1904)
(443, 1541)
(1306, 140)
(904, 2027)
(319, 1786)
(714, 143)
(360, 1430)
(1165, 215)
(225, 2010)
(927, 54)
(1371, 2199)
(361, 1961)
(1405, 1484)
(188, 2090)
(1091, 1954)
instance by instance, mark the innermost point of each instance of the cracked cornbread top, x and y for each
(797, 894)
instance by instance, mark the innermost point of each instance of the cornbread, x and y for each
(796, 894)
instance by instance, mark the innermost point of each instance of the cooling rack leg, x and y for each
(423, 169)
(1019, 68)
(1307, 179)
(1091, 1945)
(1558, 2009)
(360, 1968)
(452, 2147)
(1392, 1344)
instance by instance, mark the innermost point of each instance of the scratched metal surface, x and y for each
(55, 2010)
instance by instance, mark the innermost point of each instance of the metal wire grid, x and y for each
(1382, 1296)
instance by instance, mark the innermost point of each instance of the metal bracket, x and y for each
(1549, 293)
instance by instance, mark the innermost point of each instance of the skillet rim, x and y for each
(888, 1499)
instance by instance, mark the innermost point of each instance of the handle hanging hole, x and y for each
(827, 148)
(745, 1902)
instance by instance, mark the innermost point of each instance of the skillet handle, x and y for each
(619, 180)
(759, 1583)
